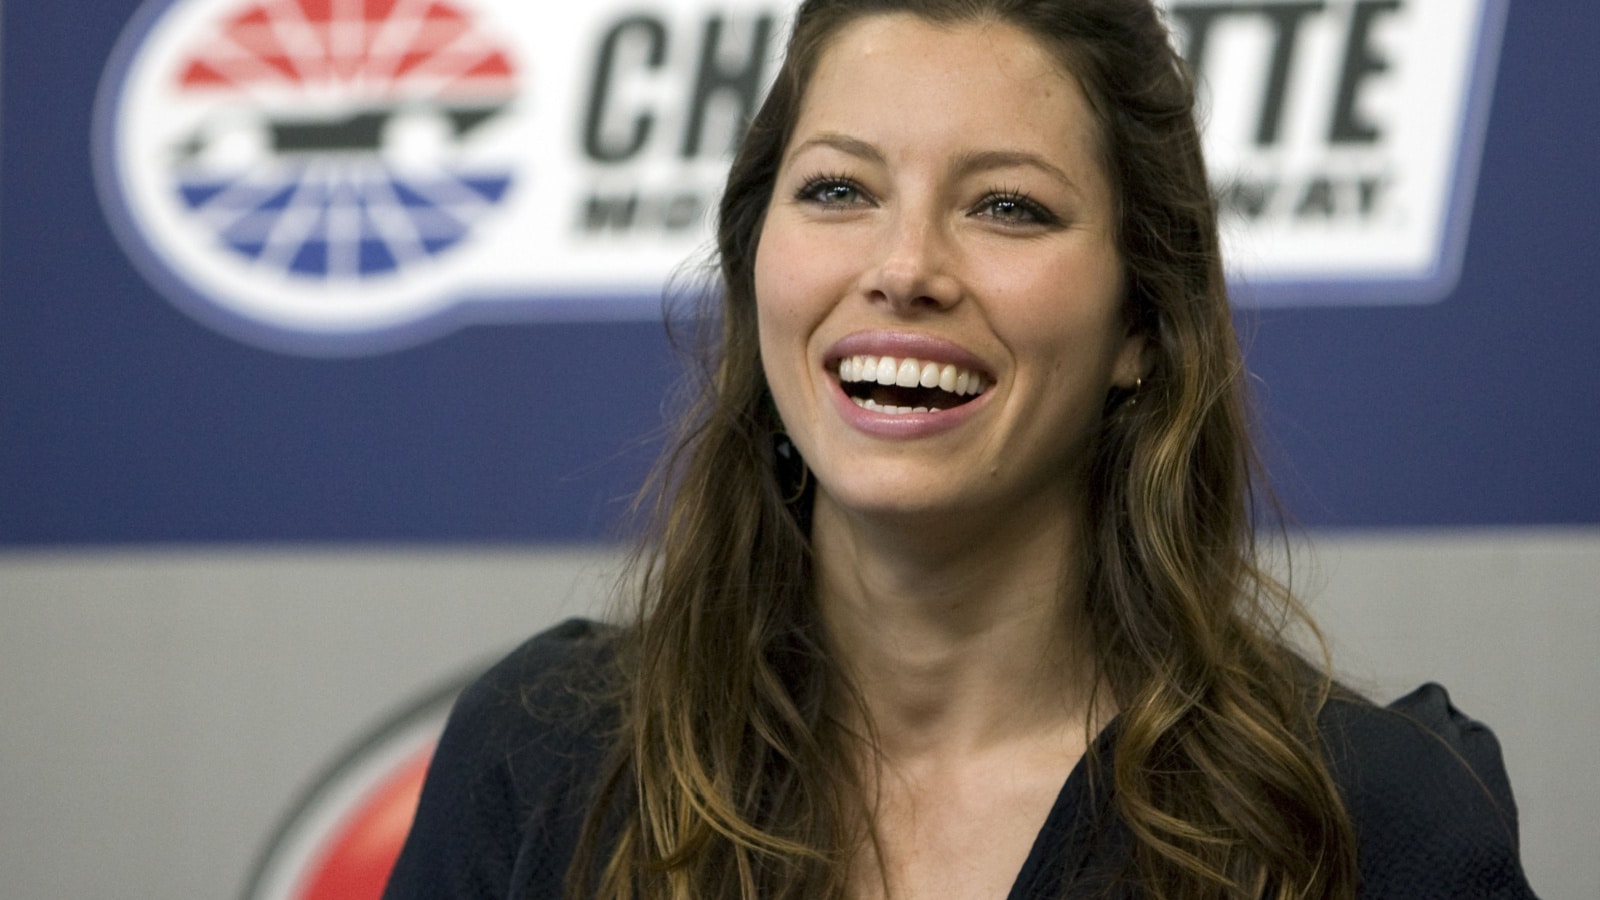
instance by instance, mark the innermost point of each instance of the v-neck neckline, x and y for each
(1061, 847)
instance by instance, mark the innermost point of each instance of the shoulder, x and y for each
(543, 696)
(545, 703)
(1428, 794)
(507, 788)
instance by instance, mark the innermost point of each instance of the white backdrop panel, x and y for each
(161, 710)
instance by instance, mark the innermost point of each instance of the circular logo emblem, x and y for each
(342, 837)
(300, 170)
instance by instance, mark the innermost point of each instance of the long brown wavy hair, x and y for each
(733, 774)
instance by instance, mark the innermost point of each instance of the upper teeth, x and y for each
(908, 372)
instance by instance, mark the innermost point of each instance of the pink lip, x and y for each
(904, 426)
(902, 344)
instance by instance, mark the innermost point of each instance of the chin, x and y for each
(906, 500)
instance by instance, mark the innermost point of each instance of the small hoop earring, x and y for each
(1133, 392)
(799, 489)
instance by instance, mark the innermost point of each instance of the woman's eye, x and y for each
(1014, 209)
(832, 192)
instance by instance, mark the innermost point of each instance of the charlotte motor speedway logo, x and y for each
(312, 165)
(353, 176)
(341, 838)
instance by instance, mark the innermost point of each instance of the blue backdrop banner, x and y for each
(267, 274)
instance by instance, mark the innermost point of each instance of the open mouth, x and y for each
(906, 385)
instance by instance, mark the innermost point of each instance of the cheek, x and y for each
(1067, 303)
(793, 296)
(772, 308)
(780, 282)
(780, 320)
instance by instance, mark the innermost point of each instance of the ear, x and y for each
(1134, 359)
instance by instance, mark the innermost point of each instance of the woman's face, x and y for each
(937, 280)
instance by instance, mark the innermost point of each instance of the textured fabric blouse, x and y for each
(506, 794)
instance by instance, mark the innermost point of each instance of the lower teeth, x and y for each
(868, 403)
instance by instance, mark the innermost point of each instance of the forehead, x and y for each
(897, 74)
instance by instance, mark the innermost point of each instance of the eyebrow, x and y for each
(987, 160)
(966, 164)
(844, 144)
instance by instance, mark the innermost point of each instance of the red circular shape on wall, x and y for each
(356, 860)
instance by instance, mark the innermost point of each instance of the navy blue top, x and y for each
(507, 794)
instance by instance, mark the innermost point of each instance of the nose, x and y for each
(913, 271)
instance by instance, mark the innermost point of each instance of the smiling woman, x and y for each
(956, 214)
(953, 591)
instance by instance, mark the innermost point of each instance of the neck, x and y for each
(959, 639)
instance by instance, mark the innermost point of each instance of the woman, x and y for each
(953, 592)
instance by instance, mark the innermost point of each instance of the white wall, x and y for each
(160, 710)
